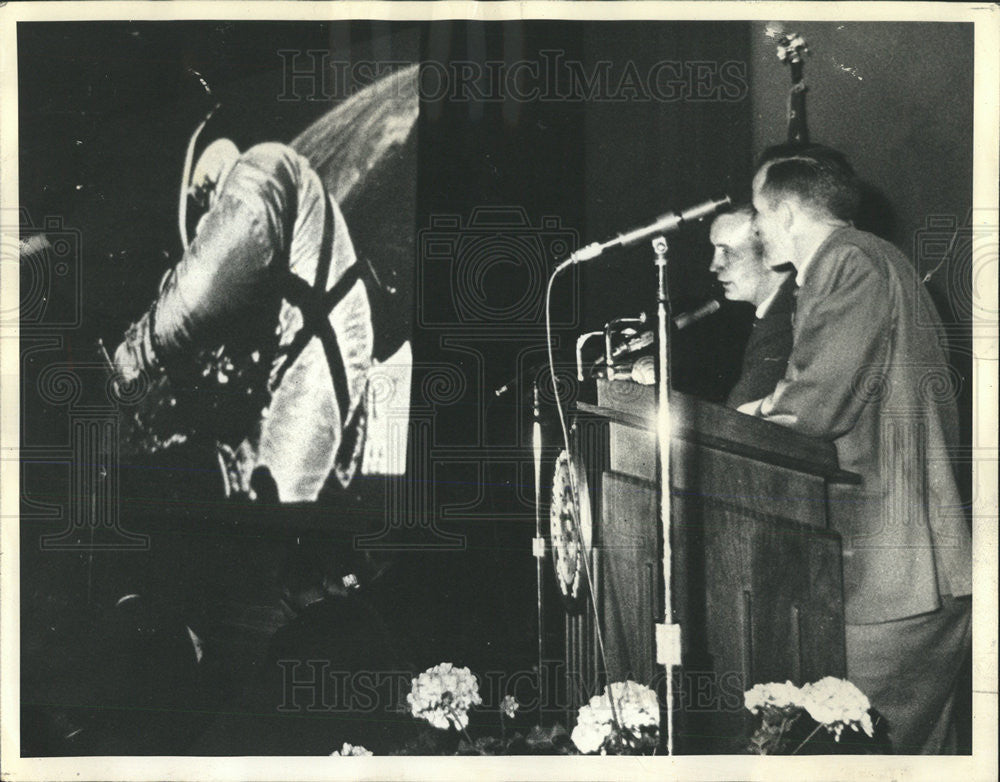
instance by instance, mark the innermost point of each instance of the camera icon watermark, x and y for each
(49, 259)
(495, 266)
(961, 260)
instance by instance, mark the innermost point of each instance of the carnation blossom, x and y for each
(776, 696)
(636, 707)
(443, 695)
(588, 735)
(836, 703)
(509, 706)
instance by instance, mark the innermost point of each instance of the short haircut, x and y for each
(819, 177)
(799, 149)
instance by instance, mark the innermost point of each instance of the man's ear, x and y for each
(785, 215)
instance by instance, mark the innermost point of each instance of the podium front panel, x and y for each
(757, 585)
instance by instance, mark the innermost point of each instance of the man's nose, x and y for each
(718, 261)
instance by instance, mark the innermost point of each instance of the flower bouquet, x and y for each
(623, 720)
(791, 718)
(444, 695)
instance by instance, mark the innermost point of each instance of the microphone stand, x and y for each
(538, 544)
(668, 634)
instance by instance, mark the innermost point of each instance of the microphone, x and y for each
(686, 319)
(681, 322)
(663, 224)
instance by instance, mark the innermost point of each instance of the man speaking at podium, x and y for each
(868, 371)
(739, 265)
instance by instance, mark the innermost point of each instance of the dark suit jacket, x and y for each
(868, 371)
(767, 350)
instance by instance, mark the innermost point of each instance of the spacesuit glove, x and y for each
(135, 354)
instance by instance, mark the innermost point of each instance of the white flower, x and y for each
(636, 707)
(588, 736)
(443, 695)
(509, 706)
(836, 703)
(773, 695)
(774, 29)
(349, 750)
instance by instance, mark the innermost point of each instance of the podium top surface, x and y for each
(719, 427)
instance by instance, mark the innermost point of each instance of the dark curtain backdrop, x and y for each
(551, 173)
(644, 158)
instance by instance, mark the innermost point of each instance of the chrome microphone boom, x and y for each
(663, 224)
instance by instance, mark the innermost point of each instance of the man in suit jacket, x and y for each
(868, 371)
(738, 263)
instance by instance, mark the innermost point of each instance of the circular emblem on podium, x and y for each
(570, 528)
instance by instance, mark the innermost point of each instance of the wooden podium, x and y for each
(757, 585)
